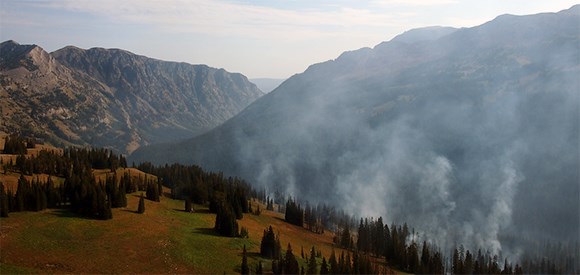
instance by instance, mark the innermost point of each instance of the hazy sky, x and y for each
(261, 38)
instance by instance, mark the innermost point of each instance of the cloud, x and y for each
(230, 19)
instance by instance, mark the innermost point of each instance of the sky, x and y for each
(258, 38)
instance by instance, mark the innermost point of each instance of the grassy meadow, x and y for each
(165, 239)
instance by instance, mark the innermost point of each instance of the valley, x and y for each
(442, 150)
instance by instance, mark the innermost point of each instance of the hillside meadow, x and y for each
(165, 239)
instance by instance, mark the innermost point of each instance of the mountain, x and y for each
(423, 34)
(267, 85)
(470, 135)
(113, 98)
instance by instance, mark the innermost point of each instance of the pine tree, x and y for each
(268, 245)
(290, 262)
(413, 258)
(152, 192)
(141, 208)
(345, 239)
(356, 263)
(347, 264)
(226, 224)
(456, 262)
(3, 202)
(312, 262)
(468, 264)
(245, 268)
(324, 267)
(21, 192)
(107, 213)
(333, 263)
(121, 194)
(425, 258)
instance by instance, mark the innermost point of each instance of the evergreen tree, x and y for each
(324, 267)
(269, 247)
(14, 145)
(294, 213)
(107, 213)
(347, 264)
(245, 268)
(121, 198)
(52, 194)
(290, 262)
(507, 268)
(312, 262)
(412, 258)
(21, 193)
(333, 263)
(152, 192)
(456, 264)
(356, 263)
(141, 208)
(437, 264)
(425, 259)
(259, 268)
(3, 202)
(226, 224)
(494, 266)
(468, 263)
(345, 238)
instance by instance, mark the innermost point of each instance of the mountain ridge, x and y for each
(135, 100)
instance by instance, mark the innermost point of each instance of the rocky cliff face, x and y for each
(113, 98)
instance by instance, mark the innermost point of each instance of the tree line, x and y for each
(80, 191)
(399, 246)
(286, 263)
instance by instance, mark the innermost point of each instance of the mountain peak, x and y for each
(9, 43)
(15, 55)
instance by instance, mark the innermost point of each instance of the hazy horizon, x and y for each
(260, 39)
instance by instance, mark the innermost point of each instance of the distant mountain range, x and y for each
(113, 98)
(472, 129)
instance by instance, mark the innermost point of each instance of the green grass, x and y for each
(194, 241)
(56, 233)
(164, 239)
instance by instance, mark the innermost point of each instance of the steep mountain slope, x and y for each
(113, 98)
(470, 135)
(267, 85)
